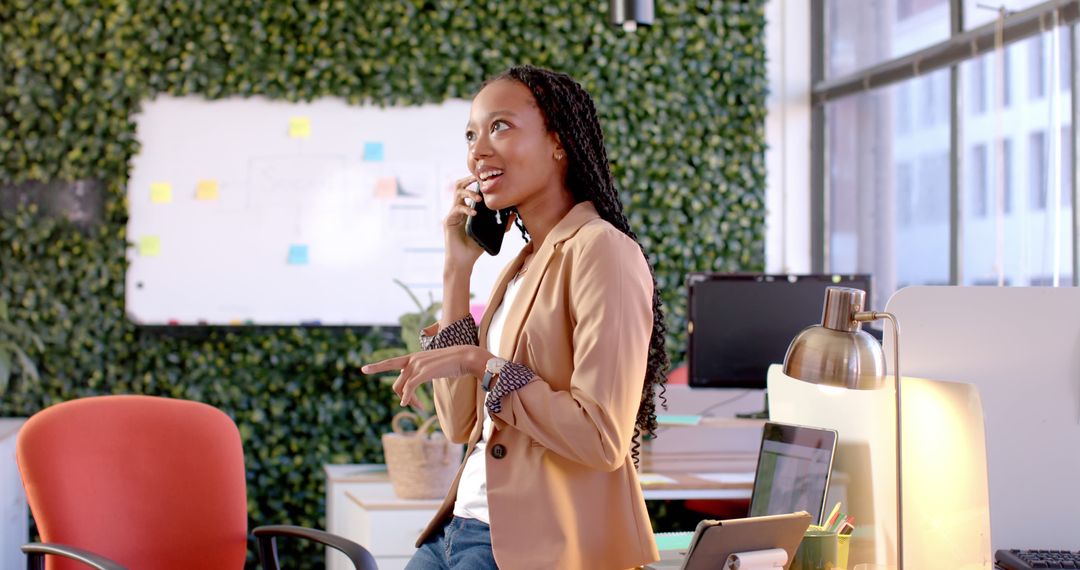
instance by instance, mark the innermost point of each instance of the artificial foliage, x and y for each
(682, 105)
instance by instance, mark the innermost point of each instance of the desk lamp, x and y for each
(840, 354)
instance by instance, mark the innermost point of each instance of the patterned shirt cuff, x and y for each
(512, 377)
(457, 333)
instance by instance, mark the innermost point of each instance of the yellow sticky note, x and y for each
(299, 127)
(161, 192)
(150, 246)
(206, 190)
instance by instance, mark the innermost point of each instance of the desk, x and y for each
(361, 506)
(14, 523)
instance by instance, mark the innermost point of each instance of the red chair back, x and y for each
(147, 482)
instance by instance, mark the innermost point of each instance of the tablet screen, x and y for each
(793, 470)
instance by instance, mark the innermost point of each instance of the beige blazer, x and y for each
(562, 489)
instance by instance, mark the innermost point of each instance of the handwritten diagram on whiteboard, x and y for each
(251, 211)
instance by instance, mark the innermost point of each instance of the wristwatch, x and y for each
(491, 371)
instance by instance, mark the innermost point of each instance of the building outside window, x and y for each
(889, 163)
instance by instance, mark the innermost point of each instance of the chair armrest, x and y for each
(360, 557)
(36, 551)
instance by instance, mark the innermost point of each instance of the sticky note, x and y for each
(299, 127)
(386, 187)
(150, 246)
(673, 419)
(673, 540)
(373, 151)
(298, 254)
(161, 192)
(206, 190)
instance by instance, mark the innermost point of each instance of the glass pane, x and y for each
(1016, 208)
(888, 184)
(980, 12)
(862, 33)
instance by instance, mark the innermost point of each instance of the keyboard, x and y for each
(1026, 559)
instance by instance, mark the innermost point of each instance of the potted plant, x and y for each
(15, 340)
(422, 462)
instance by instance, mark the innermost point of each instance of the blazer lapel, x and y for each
(578, 216)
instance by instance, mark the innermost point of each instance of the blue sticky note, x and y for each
(373, 151)
(673, 540)
(673, 419)
(298, 254)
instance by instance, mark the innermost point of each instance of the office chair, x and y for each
(143, 482)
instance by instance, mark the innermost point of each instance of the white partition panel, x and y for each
(1021, 348)
(945, 500)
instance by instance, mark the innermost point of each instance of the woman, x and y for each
(551, 390)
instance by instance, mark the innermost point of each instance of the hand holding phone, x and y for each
(488, 227)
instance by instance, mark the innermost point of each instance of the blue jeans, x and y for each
(463, 544)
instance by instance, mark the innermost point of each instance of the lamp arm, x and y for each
(867, 316)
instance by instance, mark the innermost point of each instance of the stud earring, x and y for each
(558, 156)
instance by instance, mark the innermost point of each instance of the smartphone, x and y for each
(488, 227)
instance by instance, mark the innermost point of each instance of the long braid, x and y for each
(569, 111)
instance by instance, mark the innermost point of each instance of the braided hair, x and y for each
(569, 111)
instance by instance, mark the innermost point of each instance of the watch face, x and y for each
(495, 365)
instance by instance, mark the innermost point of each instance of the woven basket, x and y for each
(421, 463)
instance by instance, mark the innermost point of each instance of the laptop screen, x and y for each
(793, 470)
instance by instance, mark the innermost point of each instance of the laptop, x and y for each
(793, 471)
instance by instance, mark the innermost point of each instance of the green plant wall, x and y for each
(682, 104)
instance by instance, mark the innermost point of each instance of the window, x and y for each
(980, 201)
(1007, 174)
(1036, 166)
(862, 33)
(977, 91)
(889, 193)
(980, 12)
(905, 195)
(1064, 60)
(1036, 68)
(1065, 158)
(887, 157)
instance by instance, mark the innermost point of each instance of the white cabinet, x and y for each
(361, 506)
(14, 531)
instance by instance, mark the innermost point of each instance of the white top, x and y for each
(472, 489)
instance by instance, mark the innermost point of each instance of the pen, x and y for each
(832, 516)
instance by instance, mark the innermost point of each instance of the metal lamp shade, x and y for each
(837, 352)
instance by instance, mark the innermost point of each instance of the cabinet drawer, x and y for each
(393, 532)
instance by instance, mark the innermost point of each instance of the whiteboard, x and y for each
(252, 211)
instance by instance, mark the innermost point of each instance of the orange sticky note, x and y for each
(299, 127)
(206, 190)
(150, 246)
(161, 192)
(386, 187)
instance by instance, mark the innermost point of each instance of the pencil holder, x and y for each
(819, 550)
(843, 543)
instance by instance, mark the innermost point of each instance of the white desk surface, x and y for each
(676, 486)
(9, 426)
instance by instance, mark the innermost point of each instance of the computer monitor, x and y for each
(741, 323)
(793, 470)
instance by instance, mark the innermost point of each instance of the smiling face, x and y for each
(510, 149)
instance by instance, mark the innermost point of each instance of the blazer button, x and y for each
(498, 451)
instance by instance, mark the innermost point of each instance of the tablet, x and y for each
(793, 470)
(714, 541)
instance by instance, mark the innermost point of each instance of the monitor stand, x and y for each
(758, 415)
